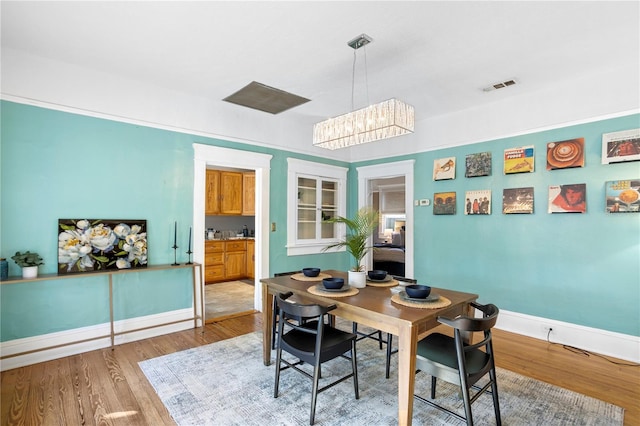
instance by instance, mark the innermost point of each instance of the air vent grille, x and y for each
(497, 86)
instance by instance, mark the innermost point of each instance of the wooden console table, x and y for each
(110, 273)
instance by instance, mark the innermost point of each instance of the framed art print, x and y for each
(444, 203)
(622, 196)
(86, 245)
(618, 147)
(568, 198)
(565, 154)
(444, 168)
(478, 164)
(477, 202)
(517, 200)
(518, 160)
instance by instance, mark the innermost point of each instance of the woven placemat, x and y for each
(440, 303)
(390, 283)
(302, 277)
(318, 291)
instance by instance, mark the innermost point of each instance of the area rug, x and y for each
(226, 383)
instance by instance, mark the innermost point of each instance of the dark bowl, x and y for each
(311, 272)
(333, 283)
(417, 291)
(377, 275)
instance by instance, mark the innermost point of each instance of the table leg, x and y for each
(407, 344)
(267, 314)
(111, 311)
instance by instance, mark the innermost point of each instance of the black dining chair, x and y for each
(274, 315)
(453, 360)
(377, 334)
(312, 342)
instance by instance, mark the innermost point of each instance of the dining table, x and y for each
(372, 306)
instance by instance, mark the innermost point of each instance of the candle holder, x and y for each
(189, 254)
(175, 256)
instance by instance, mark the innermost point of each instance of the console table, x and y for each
(197, 278)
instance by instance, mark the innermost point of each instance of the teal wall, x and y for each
(579, 268)
(582, 269)
(60, 165)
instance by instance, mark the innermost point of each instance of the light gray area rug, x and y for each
(226, 383)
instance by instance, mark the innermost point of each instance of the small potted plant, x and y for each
(29, 263)
(359, 230)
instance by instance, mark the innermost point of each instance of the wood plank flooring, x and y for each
(106, 387)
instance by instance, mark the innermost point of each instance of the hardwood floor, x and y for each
(107, 387)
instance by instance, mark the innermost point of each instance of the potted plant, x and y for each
(29, 263)
(359, 230)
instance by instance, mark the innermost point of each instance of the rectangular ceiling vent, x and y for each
(499, 85)
(264, 98)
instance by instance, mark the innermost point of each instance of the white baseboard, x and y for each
(37, 343)
(604, 342)
(617, 345)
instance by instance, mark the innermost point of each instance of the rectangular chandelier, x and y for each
(384, 120)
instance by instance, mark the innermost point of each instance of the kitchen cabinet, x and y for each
(225, 260)
(213, 261)
(223, 193)
(249, 194)
(212, 195)
(251, 258)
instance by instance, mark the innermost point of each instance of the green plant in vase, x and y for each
(29, 263)
(355, 242)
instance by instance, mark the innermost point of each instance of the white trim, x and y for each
(209, 155)
(617, 345)
(388, 170)
(37, 343)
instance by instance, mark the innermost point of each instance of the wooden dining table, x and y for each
(373, 307)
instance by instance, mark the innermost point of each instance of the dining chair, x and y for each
(453, 360)
(312, 342)
(377, 334)
(274, 316)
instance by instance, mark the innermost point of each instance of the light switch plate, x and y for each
(424, 202)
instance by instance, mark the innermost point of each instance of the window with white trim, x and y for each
(316, 192)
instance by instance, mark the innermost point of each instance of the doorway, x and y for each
(368, 177)
(213, 156)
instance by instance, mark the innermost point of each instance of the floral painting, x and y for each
(86, 245)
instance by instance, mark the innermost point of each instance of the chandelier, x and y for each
(378, 121)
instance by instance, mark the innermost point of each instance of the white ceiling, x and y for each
(435, 55)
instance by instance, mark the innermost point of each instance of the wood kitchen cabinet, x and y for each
(249, 194)
(212, 193)
(213, 261)
(223, 193)
(251, 258)
(225, 260)
(235, 261)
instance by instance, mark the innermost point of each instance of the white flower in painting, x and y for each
(123, 264)
(122, 230)
(82, 224)
(136, 246)
(74, 247)
(102, 238)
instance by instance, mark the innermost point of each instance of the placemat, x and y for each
(390, 283)
(317, 290)
(302, 277)
(440, 303)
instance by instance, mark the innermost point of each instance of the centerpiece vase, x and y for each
(358, 279)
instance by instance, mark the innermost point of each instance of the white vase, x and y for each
(358, 279)
(29, 272)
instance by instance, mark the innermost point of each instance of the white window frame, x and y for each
(304, 168)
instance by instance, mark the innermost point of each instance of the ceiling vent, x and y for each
(264, 98)
(499, 85)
